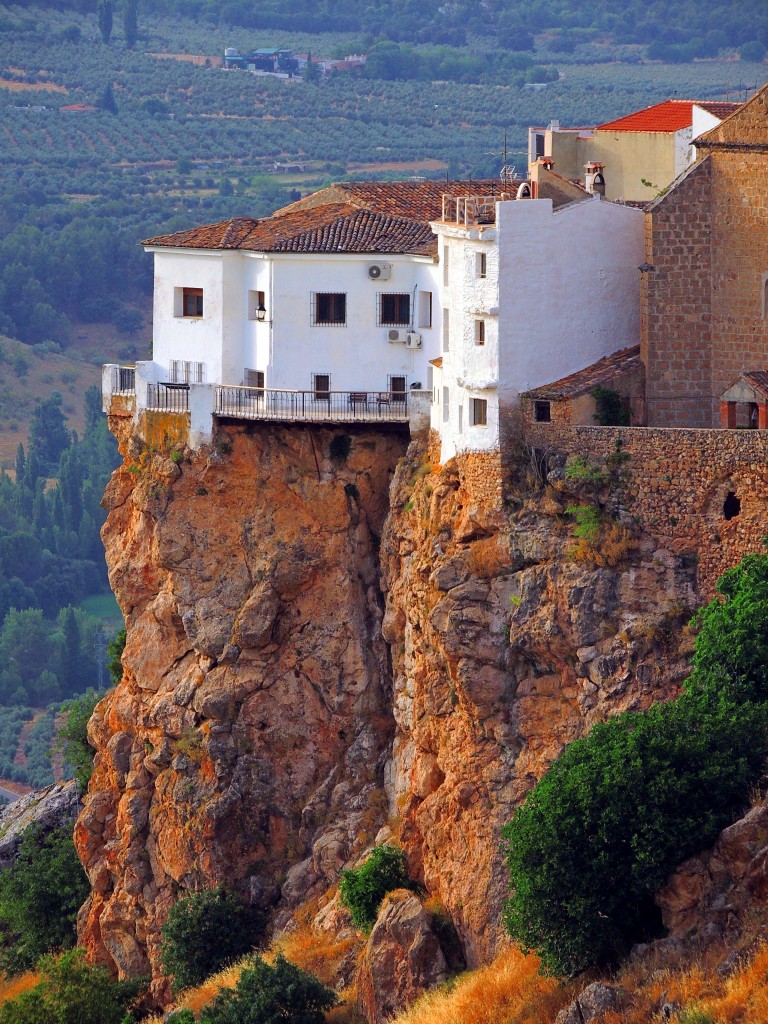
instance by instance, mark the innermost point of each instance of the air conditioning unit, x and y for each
(379, 271)
(395, 336)
(412, 340)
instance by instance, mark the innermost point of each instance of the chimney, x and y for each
(554, 126)
(594, 181)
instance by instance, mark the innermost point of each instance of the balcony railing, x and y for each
(168, 397)
(311, 406)
(123, 380)
(467, 210)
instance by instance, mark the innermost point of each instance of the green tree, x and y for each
(48, 434)
(362, 889)
(70, 653)
(278, 994)
(311, 71)
(131, 22)
(115, 650)
(106, 102)
(72, 991)
(204, 931)
(106, 19)
(72, 738)
(40, 895)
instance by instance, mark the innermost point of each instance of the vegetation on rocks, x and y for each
(618, 810)
(362, 889)
(204, 931)
(40, 895)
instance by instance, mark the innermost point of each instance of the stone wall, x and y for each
(677, 484)
(703, 321)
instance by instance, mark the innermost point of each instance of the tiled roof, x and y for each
(360, 217)
(718, 108)
(669, 116)
(582, 381)
(757, 380)
(417, 200)
(436, 362)
(337, 227)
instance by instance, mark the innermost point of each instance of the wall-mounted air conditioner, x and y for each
(413, 340)
(379, 271)
(395, 336)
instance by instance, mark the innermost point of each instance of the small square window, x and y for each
(479, 332)
(192, 302)
(394, 309)
(482, 264)
(329, 309)
(542, 412)
(254, 379)
(321, 385)
(478, 412)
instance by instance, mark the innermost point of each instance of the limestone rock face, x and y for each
(505, 648)
(45, 809)
(246, 742)
(713, 896)
(402, 960)
(596, 1000)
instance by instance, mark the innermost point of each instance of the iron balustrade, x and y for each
(167, 397)
(336, 406)
(123, 380)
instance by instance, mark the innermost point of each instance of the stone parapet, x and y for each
(678, 483)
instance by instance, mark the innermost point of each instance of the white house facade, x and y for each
(373, 301)
(533, 293)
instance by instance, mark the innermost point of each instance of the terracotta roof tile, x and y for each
(362, 217)
(582, 381)
(718, 108)
(669, 116)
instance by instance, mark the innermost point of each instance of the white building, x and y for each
(337, 307)
(531, 290)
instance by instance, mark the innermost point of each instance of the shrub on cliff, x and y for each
(72, 991)
(40, 895)
(620, 809)
(276, 994)
(205, 931)
(362, 889)
(72, 737)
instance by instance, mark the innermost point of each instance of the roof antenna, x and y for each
(507, 173)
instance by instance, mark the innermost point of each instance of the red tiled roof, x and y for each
(337, 227)
(669, 116)
(582, 381)
(361, 217)
(718, 108)
(755, 379)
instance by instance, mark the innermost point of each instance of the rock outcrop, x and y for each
(712, 898)
(506, 646)
(289, 688)
(246, 742)
(44, 809)
(403, 958)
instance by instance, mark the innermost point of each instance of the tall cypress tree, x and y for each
(131, 22)
(105, 19)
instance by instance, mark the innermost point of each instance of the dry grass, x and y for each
(488, 558)
(11, 988)
(508, 991)
(612, 546)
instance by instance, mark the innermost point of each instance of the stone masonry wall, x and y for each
(675, 326)
(677, 483)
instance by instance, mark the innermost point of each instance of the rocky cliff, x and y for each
(294, 686)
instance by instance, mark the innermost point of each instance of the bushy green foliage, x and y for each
(276, 994)
(115, 650)
(40, 895)
(72, 991)
(617, 811)
(731, 653)
(204, 931)
(362, 889)
(72, 738)
(587, 521)
(611, 410)
(580, 469)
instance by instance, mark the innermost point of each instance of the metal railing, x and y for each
(168, 397)
(467, 210)
(123, 380)
(335, 406)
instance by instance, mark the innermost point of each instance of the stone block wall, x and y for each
(675, 326)
(678, 482)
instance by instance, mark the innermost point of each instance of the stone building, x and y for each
(704, 285)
